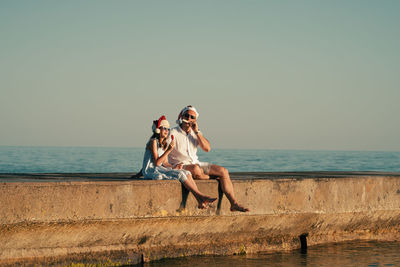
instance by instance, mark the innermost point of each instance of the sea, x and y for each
(361, 253)
(26, 159)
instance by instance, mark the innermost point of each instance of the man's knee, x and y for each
(225, 172)
(219, 171)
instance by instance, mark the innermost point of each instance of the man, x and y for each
(187, 138)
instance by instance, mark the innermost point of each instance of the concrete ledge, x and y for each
(109, 219)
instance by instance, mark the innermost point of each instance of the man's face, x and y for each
(190, 116)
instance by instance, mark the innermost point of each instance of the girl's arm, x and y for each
(166, 164)
(169, 149)
(164, 158)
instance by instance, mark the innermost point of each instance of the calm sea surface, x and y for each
(373, 254)
(101, 159)
(15, 159)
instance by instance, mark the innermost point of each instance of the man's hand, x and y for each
(203, 142)
(195, 127)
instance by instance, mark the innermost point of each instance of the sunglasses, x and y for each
(187, 116)
(164, 128)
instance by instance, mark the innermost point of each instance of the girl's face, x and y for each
(164, 132)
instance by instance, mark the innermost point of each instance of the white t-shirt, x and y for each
(185, 149)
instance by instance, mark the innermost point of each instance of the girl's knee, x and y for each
(197, 172)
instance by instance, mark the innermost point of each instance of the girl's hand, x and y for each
(171, 145)
(178, 166)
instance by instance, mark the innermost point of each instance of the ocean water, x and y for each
(22, 159)
(361, 253)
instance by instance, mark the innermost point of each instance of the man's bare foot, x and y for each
(206, 201)
(237, 207)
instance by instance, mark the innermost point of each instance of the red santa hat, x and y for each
(161, 122)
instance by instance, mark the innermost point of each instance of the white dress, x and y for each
(153, 172)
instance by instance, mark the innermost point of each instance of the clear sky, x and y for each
(262, 74)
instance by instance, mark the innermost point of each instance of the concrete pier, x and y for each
(110, 219)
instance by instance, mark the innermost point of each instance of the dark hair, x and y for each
(156, 136)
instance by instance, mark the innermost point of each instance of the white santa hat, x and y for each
(161, 122)
(183, 111)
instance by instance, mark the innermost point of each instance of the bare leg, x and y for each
(202, 199)
(227, 187)
(197, 172)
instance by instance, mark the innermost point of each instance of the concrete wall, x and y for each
(130, 221)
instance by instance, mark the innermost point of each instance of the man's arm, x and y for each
(203, 142)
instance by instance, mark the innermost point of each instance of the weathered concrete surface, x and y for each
(64, 218)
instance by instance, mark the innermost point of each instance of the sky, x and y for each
(308, 75)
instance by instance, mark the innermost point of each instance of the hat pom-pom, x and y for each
(157, 130)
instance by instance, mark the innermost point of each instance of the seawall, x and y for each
(110, 219)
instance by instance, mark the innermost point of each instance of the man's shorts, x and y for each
(205, 166)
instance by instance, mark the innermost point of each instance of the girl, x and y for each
(156, 166)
